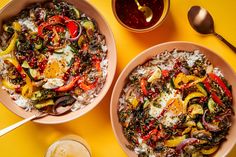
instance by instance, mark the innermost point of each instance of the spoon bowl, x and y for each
(202, 22)
(146, 11)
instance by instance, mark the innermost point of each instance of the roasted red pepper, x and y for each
(207, 85)
(41, 27)
(86, 87)
(216, 99)
(143, 84)
(219, 81)
(57, 28)
(72, 28)
(213, 94)
(68, 86)
(58, 19)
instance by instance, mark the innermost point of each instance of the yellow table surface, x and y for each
(32, 140)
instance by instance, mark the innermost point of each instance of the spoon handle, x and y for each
(14, 126)
(225, 41)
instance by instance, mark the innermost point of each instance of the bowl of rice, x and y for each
(175, 99)
(54, 53)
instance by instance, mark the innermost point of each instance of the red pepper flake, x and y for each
(213, 94)
(148, 136)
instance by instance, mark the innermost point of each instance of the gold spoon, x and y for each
(55, 111)
(146, 11)
(201, 21)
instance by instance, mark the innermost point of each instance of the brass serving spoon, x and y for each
(201, 21)
(55, 111)
(146, 11)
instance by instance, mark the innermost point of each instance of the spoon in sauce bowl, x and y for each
(146, 11)
(56, 110)
(201, 21)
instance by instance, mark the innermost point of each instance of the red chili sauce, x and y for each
(128, 13)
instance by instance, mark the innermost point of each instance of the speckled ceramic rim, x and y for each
(227, 71)
(13, 8)
(158, 23)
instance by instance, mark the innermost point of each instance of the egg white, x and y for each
(63, 60)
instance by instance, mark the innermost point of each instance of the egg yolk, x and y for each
(54, 70)
(175, 106)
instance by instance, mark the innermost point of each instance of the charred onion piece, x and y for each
(209, 126)
(79, 32)
(186, 142)
(64, 101)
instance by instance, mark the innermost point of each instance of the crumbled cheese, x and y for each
(29, 24)
(140, 140)
(53, 83)
(192, 58)
(22, 102)
(217, 71)
(142, 148)
(104, 48)
(77, 105)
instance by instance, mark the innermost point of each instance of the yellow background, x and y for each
(32, 140)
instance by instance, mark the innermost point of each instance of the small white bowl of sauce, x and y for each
(128, 15)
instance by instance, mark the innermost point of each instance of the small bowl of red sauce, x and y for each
(129, 16)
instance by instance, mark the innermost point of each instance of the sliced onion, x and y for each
(79, 32)
(185, 142)
(184, 70)
(65, 100)
(128, 92)
(209, 126)
(227, 113)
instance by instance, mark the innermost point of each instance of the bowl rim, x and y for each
(126, 72)
(107, 84)
(142, 30)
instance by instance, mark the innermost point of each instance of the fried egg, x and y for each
(163, 101)
(173, 106)
(58, 64)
